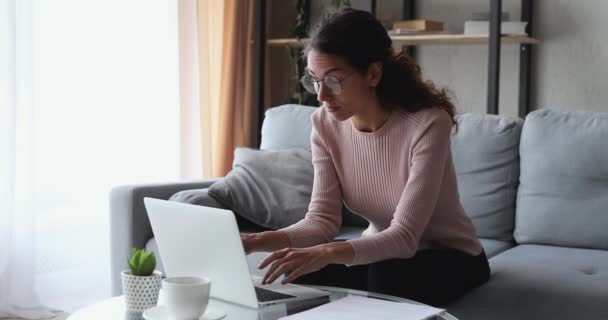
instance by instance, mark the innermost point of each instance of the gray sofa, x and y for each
(536, 190)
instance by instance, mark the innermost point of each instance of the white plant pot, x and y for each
(140, 293)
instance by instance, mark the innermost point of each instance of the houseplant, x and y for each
(141, 283)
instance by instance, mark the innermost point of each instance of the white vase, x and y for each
(140, 292)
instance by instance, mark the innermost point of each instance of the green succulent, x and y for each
(142, 262)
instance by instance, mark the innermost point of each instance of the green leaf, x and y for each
(131, 265)
(148, 265)
(142, 262)
(135, 257)
(132, 261)
(141, 258)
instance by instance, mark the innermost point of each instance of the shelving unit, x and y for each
(432, 39)
(493, 41)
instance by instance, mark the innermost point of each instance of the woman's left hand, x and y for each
(295, 262)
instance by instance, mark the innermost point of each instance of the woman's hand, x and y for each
(295, 262)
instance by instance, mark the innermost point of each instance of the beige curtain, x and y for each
(226, 61)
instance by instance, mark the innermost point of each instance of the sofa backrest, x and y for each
(485, 149)
(287, 126)
(563, 195)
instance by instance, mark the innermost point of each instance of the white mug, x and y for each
(186, 297)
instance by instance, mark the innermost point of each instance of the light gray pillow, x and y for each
(485, 149)
(198, 197)
(271, 188)
(563, 196)
(287, 127)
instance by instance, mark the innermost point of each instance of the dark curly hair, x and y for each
(359, 38)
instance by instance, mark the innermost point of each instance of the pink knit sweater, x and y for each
(400, 178)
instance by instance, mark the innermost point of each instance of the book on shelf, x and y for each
(506, 28)
(419, 24)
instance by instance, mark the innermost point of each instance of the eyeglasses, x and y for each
(332, 83)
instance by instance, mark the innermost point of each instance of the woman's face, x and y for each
(356, 89)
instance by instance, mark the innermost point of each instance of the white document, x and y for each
(361, 308)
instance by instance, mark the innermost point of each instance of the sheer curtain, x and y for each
(89, 99)
(17, 235)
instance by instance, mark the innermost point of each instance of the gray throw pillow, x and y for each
(198, 197)
(271, 188)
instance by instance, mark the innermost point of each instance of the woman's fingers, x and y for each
(294, 274)
(282, 268)
(273, 256)
(272, 268)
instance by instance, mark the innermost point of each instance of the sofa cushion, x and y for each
(287, 126)
(493, 247)
(563, 194)
(540, 282)
(485, 149)
(199, 197)
(271, 188)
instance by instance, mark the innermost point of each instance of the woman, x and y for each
(381, 144)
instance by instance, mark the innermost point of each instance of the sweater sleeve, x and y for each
(417, 201)
(323, 219)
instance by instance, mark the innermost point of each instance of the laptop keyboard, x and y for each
(265, 295)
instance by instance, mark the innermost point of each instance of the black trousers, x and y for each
(433, 277)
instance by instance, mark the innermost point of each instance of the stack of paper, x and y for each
(361, 308)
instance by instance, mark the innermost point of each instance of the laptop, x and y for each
(203, 241)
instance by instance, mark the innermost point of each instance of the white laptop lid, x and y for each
(202, 241)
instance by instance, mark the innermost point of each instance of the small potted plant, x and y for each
(141, 283)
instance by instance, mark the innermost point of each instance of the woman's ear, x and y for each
(374, 74)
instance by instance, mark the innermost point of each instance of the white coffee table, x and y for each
(114, 308)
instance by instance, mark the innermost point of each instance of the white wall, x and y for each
(571, 64)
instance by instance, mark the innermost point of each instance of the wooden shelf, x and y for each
(459, 39)
(425, 39)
